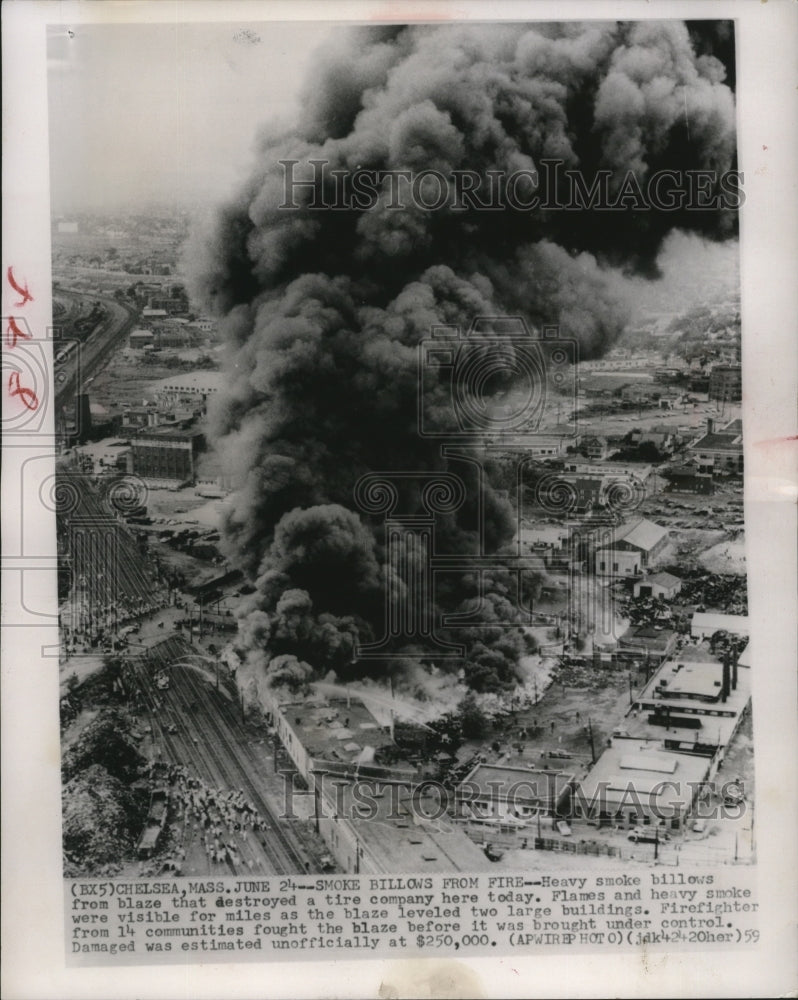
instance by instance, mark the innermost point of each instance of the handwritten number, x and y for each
(22, 289)
(26, 394)
(13, 333)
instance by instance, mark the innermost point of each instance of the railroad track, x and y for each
(111, 579)
(97, 349)
(225, 760)
(210, 739)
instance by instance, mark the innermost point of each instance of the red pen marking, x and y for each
(23, 291)
(779, 440)
(27, 395)
(13, 333)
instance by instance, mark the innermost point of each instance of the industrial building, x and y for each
(693, 704)
(187, 387)
(640, 782)
(371, 814)
(719, 449)
(499, 792)
(705, 624)
(166, 457)
(651, 643)
(726, 383)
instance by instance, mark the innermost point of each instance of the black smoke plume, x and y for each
(323, 310)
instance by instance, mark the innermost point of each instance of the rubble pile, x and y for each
(102, 818)
(104, 796)
(645, 610)
(715, 592)
(108, 742)
(578, 675)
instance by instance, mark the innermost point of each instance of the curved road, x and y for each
(96, 350)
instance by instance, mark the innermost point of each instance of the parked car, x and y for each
(648, 835)
(733, 796)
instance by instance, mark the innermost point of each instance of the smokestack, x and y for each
(710, 425)
(724, 689)
(391, 725)
(735, 658)
(83, 417)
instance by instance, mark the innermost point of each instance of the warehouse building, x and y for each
(694, 705)
(376, 818)
(705, 624)
(634, 547)
(166, 457)
(640, 782)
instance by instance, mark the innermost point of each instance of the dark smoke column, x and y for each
(323, 310)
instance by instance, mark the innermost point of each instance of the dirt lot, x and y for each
(561, 722)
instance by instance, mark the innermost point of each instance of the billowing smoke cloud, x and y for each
(324, 310)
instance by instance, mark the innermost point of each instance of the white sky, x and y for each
(153, 113)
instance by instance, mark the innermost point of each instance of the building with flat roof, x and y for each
(198, 383)
(381, 827)
(649, 642)
(637, 781)
(719, 449)
(374, 815)
(110, 453)
(141, 338)
(685, 705)
(704, 624)
(340, 733)
(166, 456)
(498, 792)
